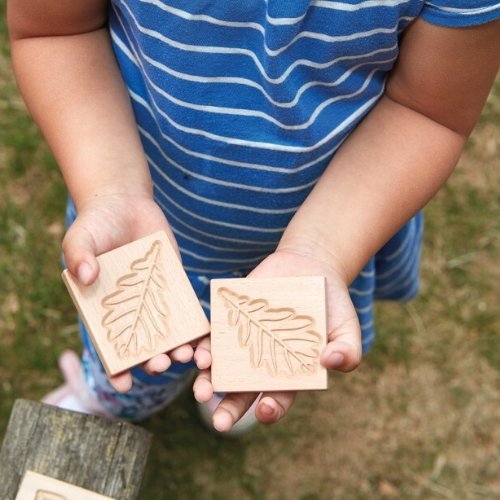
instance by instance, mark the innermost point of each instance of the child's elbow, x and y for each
(29, 19)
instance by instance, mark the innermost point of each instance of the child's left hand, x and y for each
(343, 351)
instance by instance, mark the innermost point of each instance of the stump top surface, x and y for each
(101, 455)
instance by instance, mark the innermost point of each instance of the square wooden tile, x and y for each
(142, 303)
(36, 486)
(268, 334)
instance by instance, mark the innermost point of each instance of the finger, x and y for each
(274, 405)
(156, 365)
(79, 250)
(122, 382)
(202, 355)
(343, 352)
(202, 387)
(182, 354)
(231, 409)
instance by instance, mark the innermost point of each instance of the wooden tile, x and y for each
(142, 304)
(268, 334)
(36, 486)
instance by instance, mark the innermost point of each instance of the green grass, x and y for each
(419, 419)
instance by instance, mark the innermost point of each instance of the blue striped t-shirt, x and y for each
(241, 106)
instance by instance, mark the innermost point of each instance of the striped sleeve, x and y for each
(460, 13)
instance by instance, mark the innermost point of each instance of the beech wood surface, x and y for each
(141, 304)
(268, 334)
(36, 486)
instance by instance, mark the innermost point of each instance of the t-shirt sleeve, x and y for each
(460, 13)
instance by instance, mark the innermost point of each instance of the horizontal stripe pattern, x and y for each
(242, 105)
(461, 13)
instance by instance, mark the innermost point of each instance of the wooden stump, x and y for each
(105, 456)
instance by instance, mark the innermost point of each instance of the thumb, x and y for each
(342, 354)
(79, 250)
(343, 351)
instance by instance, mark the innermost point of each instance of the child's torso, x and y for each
(241, 106)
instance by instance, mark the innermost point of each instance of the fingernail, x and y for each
(267, 410)
(336, 359)
(84, 273)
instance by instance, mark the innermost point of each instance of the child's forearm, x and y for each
(386, 171)
(73, 88)
(404, 149)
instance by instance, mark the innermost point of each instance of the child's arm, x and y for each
(388, 169)
(404, 150)
(69, 78)
(71, 83)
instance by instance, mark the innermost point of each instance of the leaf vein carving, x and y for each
(279, 339)
(136, 311)
(48, 495)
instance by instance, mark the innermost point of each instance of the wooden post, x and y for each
(105, 456)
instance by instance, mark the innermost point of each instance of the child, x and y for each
(272, 137)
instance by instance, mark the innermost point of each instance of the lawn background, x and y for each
(419, 419)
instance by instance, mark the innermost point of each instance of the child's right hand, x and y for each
(342, 352)
(106, 223)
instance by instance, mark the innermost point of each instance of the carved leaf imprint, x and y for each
(137, 312)
(279, 339)
(48, 495)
